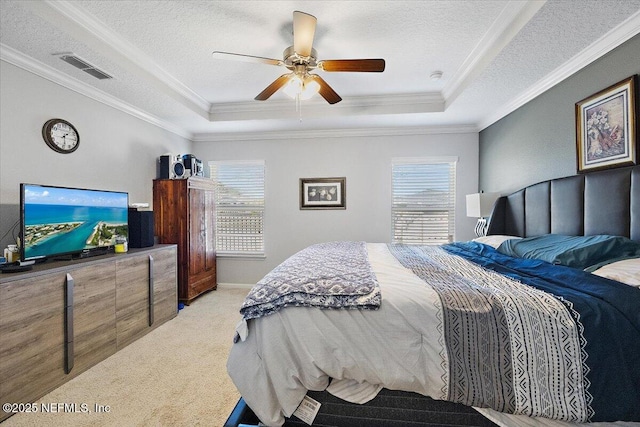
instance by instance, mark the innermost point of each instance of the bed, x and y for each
(511, 325)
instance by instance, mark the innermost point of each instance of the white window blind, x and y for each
(423, 200)
(239, 207)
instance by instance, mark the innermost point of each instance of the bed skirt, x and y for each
(388, 409)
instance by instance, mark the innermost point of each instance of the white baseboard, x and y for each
(236, 285)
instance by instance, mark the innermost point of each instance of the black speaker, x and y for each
(192, 166)
(165, 166)
(189, 161)
(140, 228)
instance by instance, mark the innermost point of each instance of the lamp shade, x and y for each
(480, 205)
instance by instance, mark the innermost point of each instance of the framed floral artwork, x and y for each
(323, 193)
(606, 133)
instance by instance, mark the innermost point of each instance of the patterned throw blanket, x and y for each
(545, 341)
(325, 275)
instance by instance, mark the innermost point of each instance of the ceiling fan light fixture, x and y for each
(310, 88)
(301, 87)
(294, 87)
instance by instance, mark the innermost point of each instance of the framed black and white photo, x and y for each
(606, 128)
(323, 193)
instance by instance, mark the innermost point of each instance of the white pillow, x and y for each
(625, 271)
(494, 240)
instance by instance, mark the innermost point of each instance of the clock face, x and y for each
(61, 136)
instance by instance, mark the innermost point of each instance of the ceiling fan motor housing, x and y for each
(291, 59)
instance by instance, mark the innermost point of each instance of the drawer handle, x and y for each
(68, 324)
(150, 290)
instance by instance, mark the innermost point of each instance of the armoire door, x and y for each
(210, 227)
(197, 231)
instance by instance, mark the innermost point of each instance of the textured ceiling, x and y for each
(494, 55)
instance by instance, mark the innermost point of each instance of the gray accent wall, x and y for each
(537, 142)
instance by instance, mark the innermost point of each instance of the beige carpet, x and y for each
(174, 376)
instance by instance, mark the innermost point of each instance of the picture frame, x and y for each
(323, 193)
(606, 128)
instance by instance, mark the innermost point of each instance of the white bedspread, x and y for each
(299, 349)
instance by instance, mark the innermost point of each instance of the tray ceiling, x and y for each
(493, 55)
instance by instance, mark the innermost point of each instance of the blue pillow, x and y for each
(572, 251)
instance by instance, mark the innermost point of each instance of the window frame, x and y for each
(221, 251)
(452, 161)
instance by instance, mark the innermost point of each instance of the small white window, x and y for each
(239, 207)
(423, 200)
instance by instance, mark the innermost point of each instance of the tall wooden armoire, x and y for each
(184, 214)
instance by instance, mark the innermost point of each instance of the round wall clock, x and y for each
(61, 136)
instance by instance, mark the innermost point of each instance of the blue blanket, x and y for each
(583, 252)
(608, 315)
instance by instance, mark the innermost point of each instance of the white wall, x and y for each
(117, 151)
(366, 163)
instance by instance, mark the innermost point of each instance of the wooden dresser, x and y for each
(184, 214)
(63, 317)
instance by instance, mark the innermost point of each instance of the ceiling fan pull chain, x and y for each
(299, 107)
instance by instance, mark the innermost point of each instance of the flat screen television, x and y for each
(61, 221)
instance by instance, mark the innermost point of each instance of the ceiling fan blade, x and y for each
(304, 29)
(273, 87)
(246, 58)
(357, 65)
(325, 91)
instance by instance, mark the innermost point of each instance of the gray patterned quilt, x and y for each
(325, 275)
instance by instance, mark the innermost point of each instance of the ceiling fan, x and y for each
(300, 59)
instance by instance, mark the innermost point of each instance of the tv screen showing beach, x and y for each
(66, 220)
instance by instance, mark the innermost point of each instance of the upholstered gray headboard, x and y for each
(605, 202)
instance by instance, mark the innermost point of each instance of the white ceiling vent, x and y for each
(80, 63)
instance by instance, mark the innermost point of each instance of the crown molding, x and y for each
(101, 38)
(317, 107)
(614, 38)
(511, 20)
(108, 43)
(334, 133)
(20, 60)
